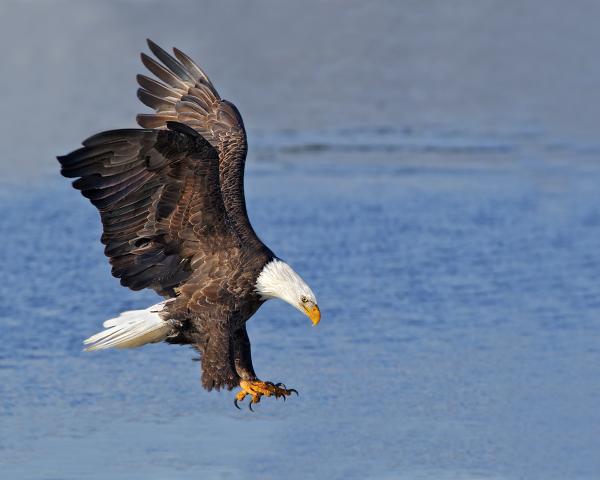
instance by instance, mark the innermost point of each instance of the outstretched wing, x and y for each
(185, 94)
(160, 201)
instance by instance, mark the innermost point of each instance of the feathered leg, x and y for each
(249, 384)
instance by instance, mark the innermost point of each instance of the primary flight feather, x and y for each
(171, 201)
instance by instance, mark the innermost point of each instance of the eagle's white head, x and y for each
(278, 280)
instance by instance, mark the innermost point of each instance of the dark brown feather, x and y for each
(170, 62)
(136, 180)
(160, 104)
(162, 73)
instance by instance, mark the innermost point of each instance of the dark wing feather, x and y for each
(159, 198)
(188, 96)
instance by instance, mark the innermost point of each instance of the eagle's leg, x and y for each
(249, 384)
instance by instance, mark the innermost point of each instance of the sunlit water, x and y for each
(456, 268)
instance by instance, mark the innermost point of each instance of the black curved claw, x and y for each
(280, 385)
(235, 400)
(270, 384)
(283, 396)
(250, 406)
(295, 391)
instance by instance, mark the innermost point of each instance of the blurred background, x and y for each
(430, 167)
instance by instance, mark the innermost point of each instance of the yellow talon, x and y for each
(257, 389)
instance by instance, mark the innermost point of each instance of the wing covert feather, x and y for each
(186, 94)
(159, 198)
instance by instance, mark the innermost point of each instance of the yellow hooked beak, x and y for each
(314, 314)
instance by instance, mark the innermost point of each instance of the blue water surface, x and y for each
(433, 176)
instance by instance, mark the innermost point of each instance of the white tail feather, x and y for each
(132, 329)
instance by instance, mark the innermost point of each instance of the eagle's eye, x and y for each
(304, 299)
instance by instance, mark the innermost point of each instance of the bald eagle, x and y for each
(171, 201)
